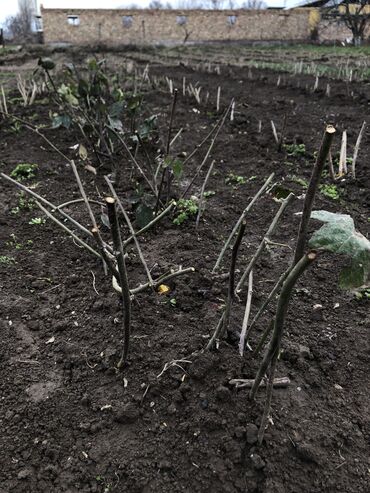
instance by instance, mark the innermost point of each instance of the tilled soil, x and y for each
(71, 423)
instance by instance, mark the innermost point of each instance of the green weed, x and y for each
(186, 208)
(330, 191)
(37, 221)
(232, 179)
(6, 260)
(24, 171)
(295, 149)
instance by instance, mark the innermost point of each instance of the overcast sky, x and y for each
(9, 7)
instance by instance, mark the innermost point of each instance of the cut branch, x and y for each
(121, 264)
(241, 219)
(311, 191)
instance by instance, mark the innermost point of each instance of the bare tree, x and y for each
(354, 14)
(20, 25)
(254, 5)
(157, 4)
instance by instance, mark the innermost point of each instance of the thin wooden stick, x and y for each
(4, 105)
(271, 295)
(266, 411)
(106, 256)
(174, 99)
(127, 219)
(264, 241)
(208, 136)
(139, 168)
(70, 232)
(357, 148)
(331, 166)
(218, 99)
(343, 155)
(311, 191)
(240, 383)
(281, 311)
(241, 218)
(121, 264)
(222, 327)
(148, 160)
(201, 205)
(46, 202)
(208, 152)
(246, 314)
(152, 223)
(176, 137)
(76, 201)
(83, 195)
(160, 280)
(274, 132)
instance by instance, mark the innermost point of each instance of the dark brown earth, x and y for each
(71, 424)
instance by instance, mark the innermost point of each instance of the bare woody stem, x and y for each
(127, 219)
(67, 230)
(121, 264)
(104, 254)
(132, 158)
(264, 241)
(266, 411)
(224, 322)
(156, 282)
(272, 293)
(241, 218)
(152, 223)
(311, 192)
(174, 99)
(281, 312)
(46, 202)
(201, 196)
(208, 150)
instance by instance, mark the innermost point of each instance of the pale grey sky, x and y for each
(10, 7)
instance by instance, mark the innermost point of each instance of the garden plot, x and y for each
(171, 320)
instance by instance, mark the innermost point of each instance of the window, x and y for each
(181, 20)
(73, 20)
(231, 20)
(38, 23)
(127, 20)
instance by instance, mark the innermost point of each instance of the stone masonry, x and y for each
(118, 27)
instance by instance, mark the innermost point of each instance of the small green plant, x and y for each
(23, 204)
(186, 208)
(295, 149)
(24, 171)
(330, 191)
(6, 260)
(232, 179)
(208, 194)
(15, 243)
(37, 221)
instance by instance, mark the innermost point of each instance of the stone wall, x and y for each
(114, 27)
